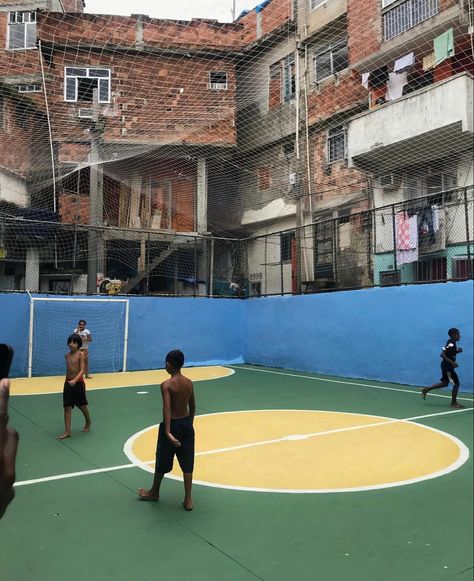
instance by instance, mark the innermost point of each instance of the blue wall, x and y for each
(390, 334)
(209, 331)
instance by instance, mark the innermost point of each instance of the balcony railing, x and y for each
(407, 15)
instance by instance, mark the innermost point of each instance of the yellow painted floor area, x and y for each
(287, 450)
(43, 385)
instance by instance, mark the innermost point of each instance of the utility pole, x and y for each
(95, 257)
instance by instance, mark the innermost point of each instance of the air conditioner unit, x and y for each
(218, 86)
(390, 181)
(85, 113)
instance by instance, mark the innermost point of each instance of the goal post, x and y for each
(53, 319)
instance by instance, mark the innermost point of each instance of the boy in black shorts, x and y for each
(74, 392)
(176, 432)
(448, 364)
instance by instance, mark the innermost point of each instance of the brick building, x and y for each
(283, 126)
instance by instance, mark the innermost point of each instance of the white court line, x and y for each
(219, 450)
(412, 391)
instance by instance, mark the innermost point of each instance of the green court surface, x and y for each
(92, 526)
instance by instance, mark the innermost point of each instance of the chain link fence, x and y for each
(423, 240)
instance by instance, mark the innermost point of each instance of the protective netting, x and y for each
(307, 145)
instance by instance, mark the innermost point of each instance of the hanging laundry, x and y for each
(365, 80)
(444, 46)
(378, 78)
(435, 210)
(411, 255)
(395, 85)
(404, 63)
(429, 61)
(402, 225)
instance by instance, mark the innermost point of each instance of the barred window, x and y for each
(331, 60)
(336, 144)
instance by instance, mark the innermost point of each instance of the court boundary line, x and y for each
(412, 391)
(143, 465)
(230, 369)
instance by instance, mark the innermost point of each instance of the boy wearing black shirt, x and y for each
(448, 364)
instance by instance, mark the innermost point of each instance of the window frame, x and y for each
(213, 86)
(288, 85)
(31, 21)
(313, 4)
(286, 239)
(330, 48)
(75, 77)
(337, 132)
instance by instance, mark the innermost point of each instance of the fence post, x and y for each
(282, 289)
(394, 234)
(211, 268)
(195, 266)
(468, 236)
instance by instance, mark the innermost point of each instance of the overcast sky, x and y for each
(176, 9)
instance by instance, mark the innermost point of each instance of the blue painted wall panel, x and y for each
(388, 334)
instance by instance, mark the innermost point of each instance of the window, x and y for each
(389, 277)
(217, 81)
(315, 3)
(80, 84)
(264, 178)
(430, 270)
(21, 30)
(331, 61)
(336, 144)
(286, 243)
(33, 88)
(407, 15)
(462, 268)
(289, 78)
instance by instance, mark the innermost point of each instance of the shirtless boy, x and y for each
(176, 432)
(74, 393)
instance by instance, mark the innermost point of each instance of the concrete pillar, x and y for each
(201, 195)
(32, 277)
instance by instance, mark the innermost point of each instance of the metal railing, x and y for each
(414, 241)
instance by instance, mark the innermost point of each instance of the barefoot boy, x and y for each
(176, 432)
(448, 364)
(74, 387)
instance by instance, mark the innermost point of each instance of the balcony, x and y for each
(432, 123)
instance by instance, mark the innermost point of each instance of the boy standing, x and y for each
(176, 432)
(86, 337)
(448, 364)
(74, 387)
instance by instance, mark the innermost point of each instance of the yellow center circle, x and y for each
(309, 451)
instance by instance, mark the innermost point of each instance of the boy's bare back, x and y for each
(181, 393)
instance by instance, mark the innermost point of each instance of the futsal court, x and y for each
(297, 476)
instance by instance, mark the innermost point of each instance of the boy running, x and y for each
(86, 337)
(74, 387)
(176, 432)
(448, 364)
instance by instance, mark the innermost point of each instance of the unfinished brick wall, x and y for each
(154, 99)
(364, 28)
(99, 30)
(335, 179)
(333, 97)
(22, 132)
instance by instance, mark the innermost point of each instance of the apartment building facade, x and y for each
(312, 127)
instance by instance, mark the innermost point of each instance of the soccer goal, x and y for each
(52, 320)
